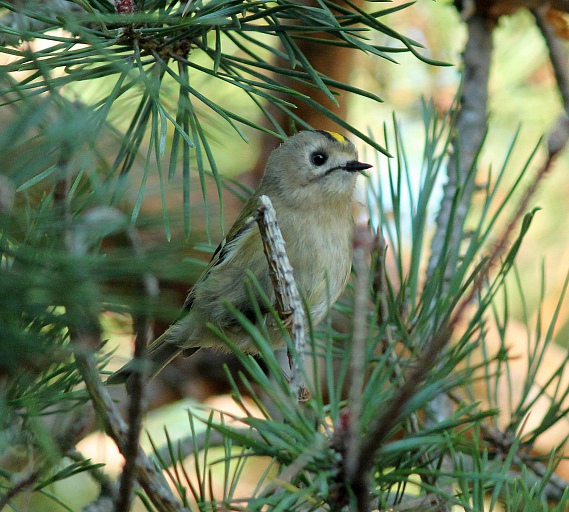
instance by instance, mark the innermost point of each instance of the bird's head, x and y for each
(313, 166)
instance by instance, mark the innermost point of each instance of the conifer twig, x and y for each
(561, 136)
(384, 424)
(85, 335)
(108, 487)
(25, 481)
(150, 479)
(470, 130)
(288, 302)
(557, 53)
(143, 335)
(363, 243)
(380, 289)
(471, 126)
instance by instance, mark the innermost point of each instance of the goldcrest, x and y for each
(310, 179)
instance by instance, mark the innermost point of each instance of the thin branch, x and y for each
(499, 247)
(137, 381)
(554, 487)
(380, 289)
(363, 243)
(428, 503)
(151, 480)
(85, 335)
(83, 342)
(25, 481)
(427, 359)
(386, 422)
(289, 304)
(557, 53)
(108, 487)
(470, 131)
(65, 431)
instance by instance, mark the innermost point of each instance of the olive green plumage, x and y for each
(310, 180)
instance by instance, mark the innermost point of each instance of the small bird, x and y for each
(310, 179)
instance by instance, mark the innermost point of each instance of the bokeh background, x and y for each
(523, 100)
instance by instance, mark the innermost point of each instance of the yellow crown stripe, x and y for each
(340, 138)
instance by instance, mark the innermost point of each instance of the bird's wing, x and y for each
(241, 229)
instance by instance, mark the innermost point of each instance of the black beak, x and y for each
(355, 166)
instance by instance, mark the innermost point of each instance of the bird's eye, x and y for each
(318, 158)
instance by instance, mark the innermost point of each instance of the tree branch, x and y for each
(151, 480)
(470, 132)
(289, 304)
(363, 243)
(85, 335)
(557, 54)
(143, 331)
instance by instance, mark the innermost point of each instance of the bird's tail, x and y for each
(160, 353)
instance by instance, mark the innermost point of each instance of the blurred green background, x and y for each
(522, 96)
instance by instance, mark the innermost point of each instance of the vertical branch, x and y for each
(470, 132)
(84, 341)
(363, 242)
(391, 413)
(471, 126)
(151, 480)
(557, 54)
(85, 335)
(143, 332)
(288, 300)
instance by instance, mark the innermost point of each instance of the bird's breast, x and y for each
(321, 256)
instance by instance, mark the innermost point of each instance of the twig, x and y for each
(426, 361)
(288, 300)
(363, 243)
(557, 54)
(108, 487)
(85, 335)
(428, 503)
(103, 503)
(137, 381)
(65, 432)
(392, 411)
(26, 480)
(151, 480)
(380, 289)
(500, 246)
(283, 480)
(554, 487)
(470, 131)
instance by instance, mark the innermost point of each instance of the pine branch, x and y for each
(85, 335)
(391, 413)
(107, 498)
(151, 480)
(288, 302)
(143, 336)
(471, 128)
(24, 481)
(363, 244)
(557, 54)
(470, 132)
